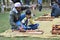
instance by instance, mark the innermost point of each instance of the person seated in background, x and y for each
(27, 2)
(56, 10)
(55, 5)
(29, 22)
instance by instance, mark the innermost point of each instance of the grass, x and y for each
(44, 11)
(27, 38)
(4, 22)
(4, 25)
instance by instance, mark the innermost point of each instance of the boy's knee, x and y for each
(36, 25)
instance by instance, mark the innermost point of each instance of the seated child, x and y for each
(28, 21)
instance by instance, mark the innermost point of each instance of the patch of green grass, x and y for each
(40, 13)
(4, 22)
(27, 38)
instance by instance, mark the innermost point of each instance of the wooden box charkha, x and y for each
(56, 29)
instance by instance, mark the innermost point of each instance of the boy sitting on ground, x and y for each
(28, 24)
(28, 21)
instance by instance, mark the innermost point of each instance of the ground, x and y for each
(46, 26)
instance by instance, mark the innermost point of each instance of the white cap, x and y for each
(17, 4)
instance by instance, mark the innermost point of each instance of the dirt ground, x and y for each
(46, 26)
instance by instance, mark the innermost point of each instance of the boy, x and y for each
(28, 21)
(28, 25)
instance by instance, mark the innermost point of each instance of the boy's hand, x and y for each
(21, 29)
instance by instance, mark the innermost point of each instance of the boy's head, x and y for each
(28, 14)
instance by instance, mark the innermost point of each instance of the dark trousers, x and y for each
(40, 7)
(33, 26)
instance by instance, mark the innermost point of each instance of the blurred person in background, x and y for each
(58, 0)
(40, 5)
(2, 7)
(56, 10)
(27, 2)
(52, 2)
